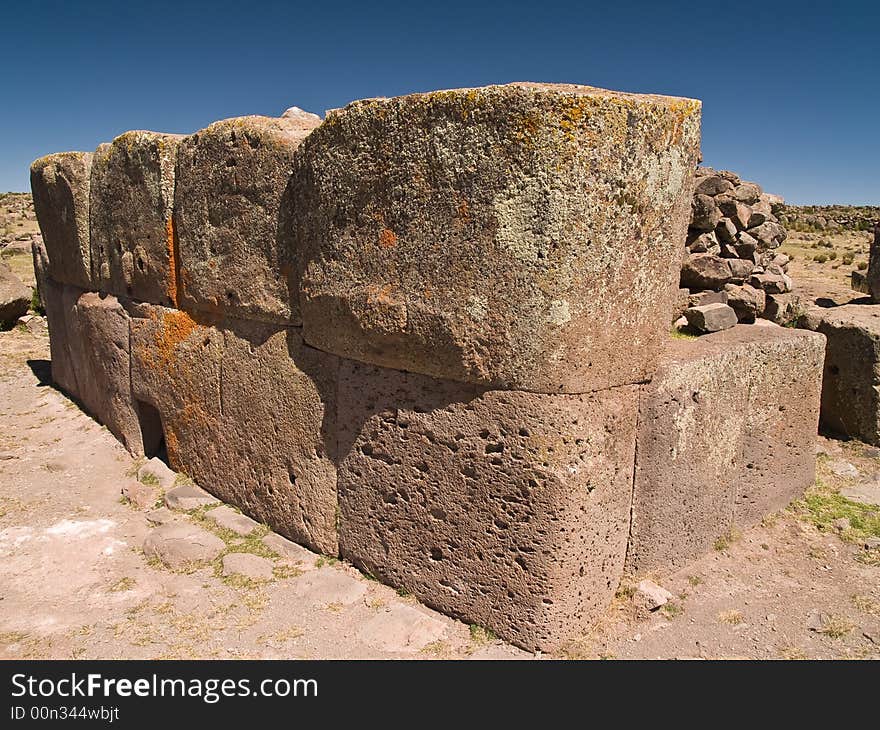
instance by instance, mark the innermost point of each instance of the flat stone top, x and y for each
(859, 316)
(134, 135)
(683, 105)
(254, 122)
(742, 334)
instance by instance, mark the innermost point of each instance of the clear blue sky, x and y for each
(790, 90)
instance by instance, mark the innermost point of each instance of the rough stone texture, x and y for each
(53, 298)
(705, 271)
(726, 435)
(297, 554)
(231, 179)
(156, 469)
(873, 275)
(15, 297)
(140, 495)
(650, 596)
(249, 413)
(132, 230)
(783, 308)
(97, 332)
(507, 509)
(187, 497)
(520, 236)
(60, 186)
(851, 381)
(746, 301)
(859, 282)
(710, 317)
(182, 546)
(229, 519)
(247, 565)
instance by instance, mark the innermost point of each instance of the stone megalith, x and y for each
(60, 187)
(505, 509)
(132, 230)
(231, 178)
(874, 266)
(521, 236)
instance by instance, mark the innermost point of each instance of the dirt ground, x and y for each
(74, 581)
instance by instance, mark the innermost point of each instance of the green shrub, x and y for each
(848, 258)
(832, 255)
(862, 265)
(820, 258)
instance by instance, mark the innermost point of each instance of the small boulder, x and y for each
(704, 213)
(15, 297)
(187, 497)
(707, 297)
(140, 495)
(651, 596)
(705, 271)
(747, 301)
(156, 471)
(711, 317)
(229, 519)
(180, 545)
(712, 185)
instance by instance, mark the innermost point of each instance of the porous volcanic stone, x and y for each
(505, 509)
(98, 338)
(851, 380)
(519, 236)
(249, 413)
(60, 186)
(705, 271)
(727, 432)
(872, 277)
(231, 178)
(132, 230)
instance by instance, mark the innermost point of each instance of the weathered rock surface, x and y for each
(851, 379)
(710, 317)
(705, 271)
(249, 413)
(726, 435)
(53, 298)
(746, 301)
(229, 519)
(155, 470)
(650, 596)
(401, 627)
(247, 565)
(15, 297)
(873, 275)
(494, 235)
(60, 186)
(235, 257)
(132, 231)
(507, 509)
(187, 497)
(97, 334)
(182, 546)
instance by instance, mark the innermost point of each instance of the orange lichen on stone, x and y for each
(171, 244)
(387, 238)
(175, 327)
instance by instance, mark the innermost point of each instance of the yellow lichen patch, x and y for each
(174, 328)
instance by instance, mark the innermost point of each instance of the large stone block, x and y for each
(132, 229)
(60, 187)
(235, 258)
(727, 432)
(506, 509)
(98, 341)
(851, 380)
(57, 306)
(523, 236)
(248, 412)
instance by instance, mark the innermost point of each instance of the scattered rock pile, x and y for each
(730, 261)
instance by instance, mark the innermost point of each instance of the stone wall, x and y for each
(429, 335)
